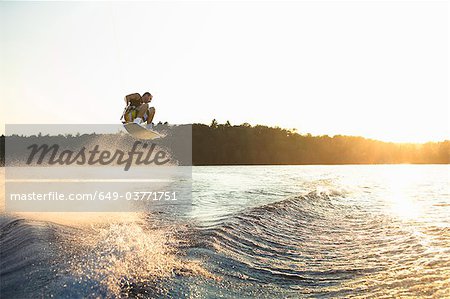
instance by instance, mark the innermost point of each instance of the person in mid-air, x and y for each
(138, 109)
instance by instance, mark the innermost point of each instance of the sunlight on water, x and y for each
(263, 231)
(107, 254)
(125, 257)
(363, 231)
(400, 183)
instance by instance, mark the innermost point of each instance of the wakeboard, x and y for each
(140, 132)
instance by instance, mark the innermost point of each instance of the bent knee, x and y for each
(152, 109)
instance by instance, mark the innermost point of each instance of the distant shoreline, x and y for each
(224, 144)
(246, 145)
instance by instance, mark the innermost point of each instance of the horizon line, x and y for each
(245, 124)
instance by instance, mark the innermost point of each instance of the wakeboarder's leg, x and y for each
(150, 115)
(141, 111)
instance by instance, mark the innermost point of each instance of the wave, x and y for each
(320, 244)
(44, 259)
(310, 244)
(27, 251)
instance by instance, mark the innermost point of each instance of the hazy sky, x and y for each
(375, 69)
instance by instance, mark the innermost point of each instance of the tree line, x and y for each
(225, 144)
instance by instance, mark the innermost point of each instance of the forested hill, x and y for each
(224, 144)
(219, 144)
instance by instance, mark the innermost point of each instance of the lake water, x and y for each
(251, 231)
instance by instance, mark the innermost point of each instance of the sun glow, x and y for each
(350, 75)
(401, 192)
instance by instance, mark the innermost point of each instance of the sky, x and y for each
(377, 69)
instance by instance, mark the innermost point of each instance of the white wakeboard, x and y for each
(140, 132)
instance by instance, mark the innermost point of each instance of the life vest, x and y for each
(132, 101)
